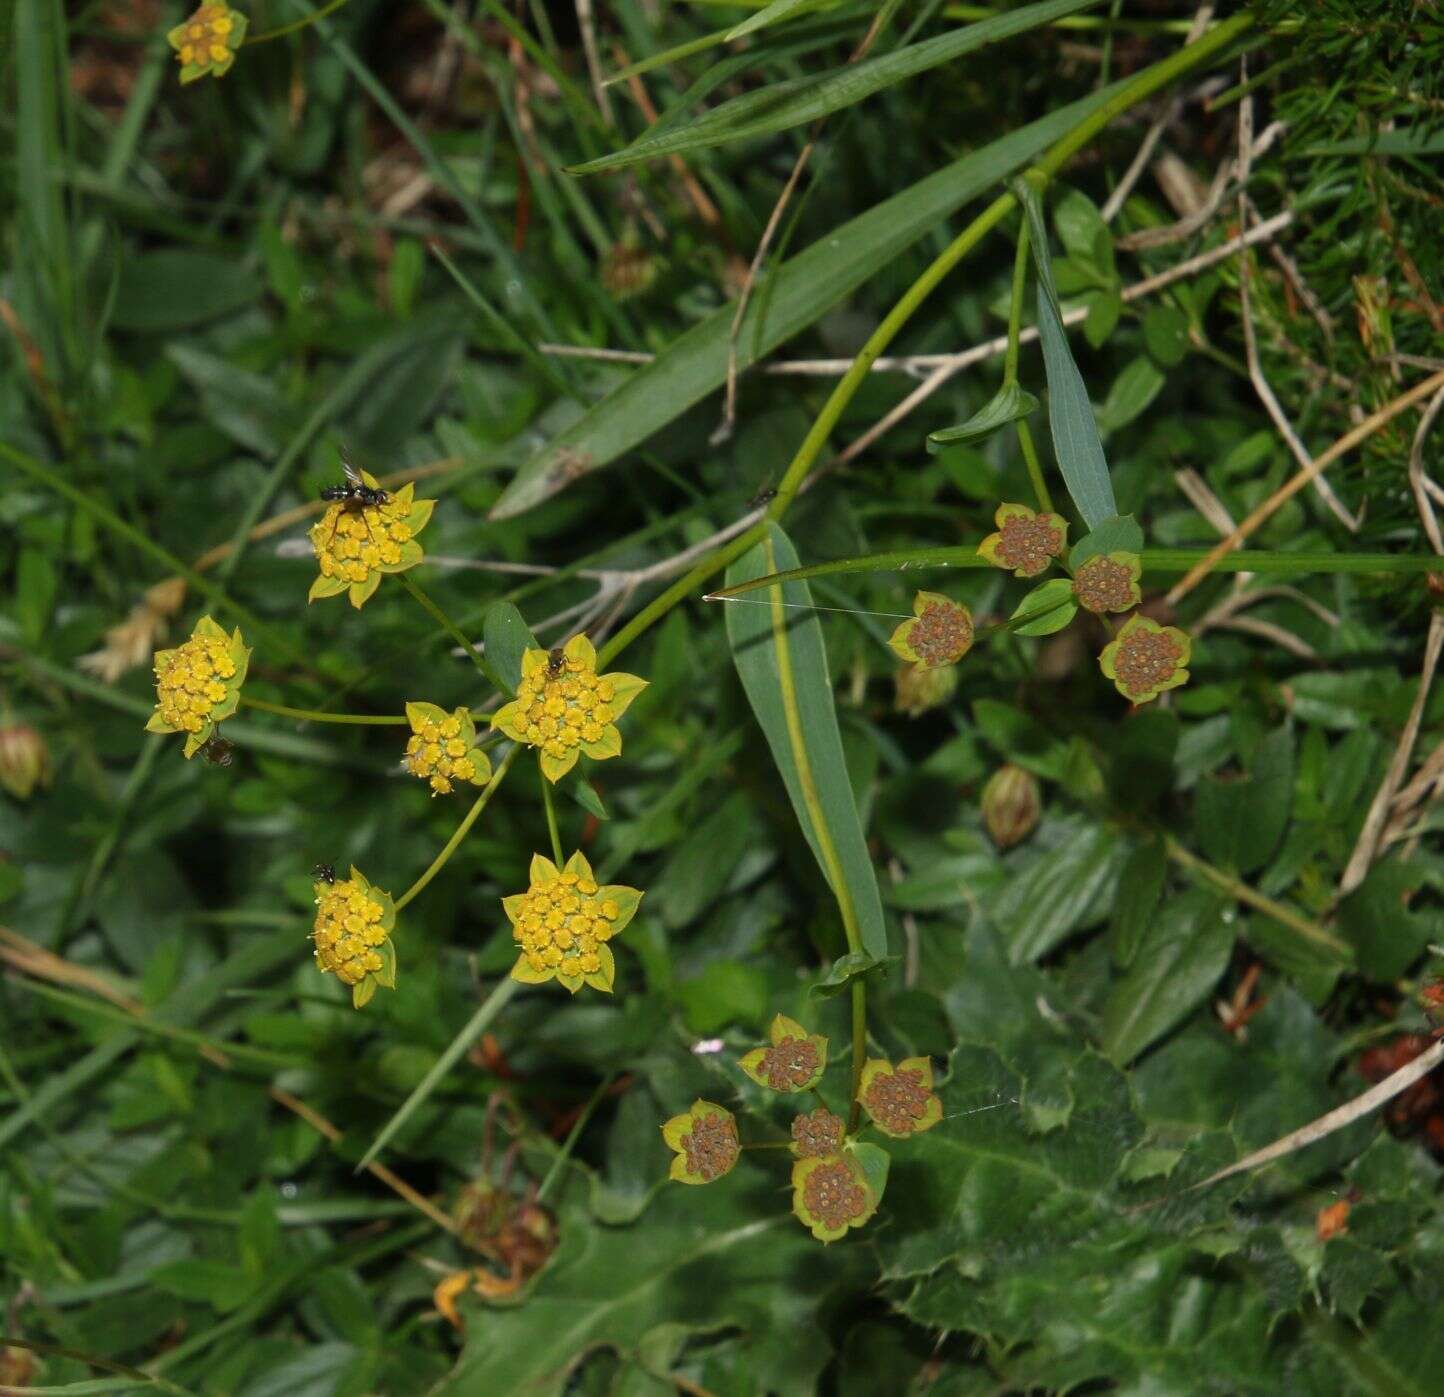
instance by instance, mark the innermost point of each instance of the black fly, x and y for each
(556, 662)
(217, 751)
(354, 497)
(325, 873)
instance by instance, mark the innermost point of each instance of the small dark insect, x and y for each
(556, 662)
(324, 873)
(354, 497)
(764, 496)
(217, 751)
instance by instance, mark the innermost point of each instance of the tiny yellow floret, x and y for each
(198, 684)
(208, 40)
(352, 935)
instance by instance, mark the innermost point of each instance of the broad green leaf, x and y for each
(1076, 442)
(1165, 332)
(1120, 534)
(178, 287)
(1136, 386)
(1178, 963)
(1009, 404)
(704, 1259)
(1051, 605)
(505, 637)
(1057, 892)
(759, 659)
(1140, 885)
(802, 290)
(1240, 820)
(782, 105)
(246, 406)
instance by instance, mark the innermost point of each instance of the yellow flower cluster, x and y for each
(355, 547)
(564, 707)
(442, 748)
(352, 935)
(190, 681)
(562, 924)
(208, 40)
(198, 684)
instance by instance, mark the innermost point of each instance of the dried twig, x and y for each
(587, 23)
(1287, 491)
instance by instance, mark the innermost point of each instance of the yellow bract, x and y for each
(563, 922)
(208, 40)
(198, 684)
(355, 548)
(564, 707)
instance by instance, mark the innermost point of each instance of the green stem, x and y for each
(827, 850)
(313, 715)
(454, 631)
(1142, 86)
(1035, 468)
(573, 1135)
(1015, 305)
(1279, 911)
(479, 1022)
(452, 844)
(549, 802)
(294, 25)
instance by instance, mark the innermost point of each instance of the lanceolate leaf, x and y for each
(820, 762)
(1076, 442)
(779, 106)
(1009, 404)
(774, 13)
(802, 291)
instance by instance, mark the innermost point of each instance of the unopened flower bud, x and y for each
(919, 690)
(24, 760)
(1011, 805)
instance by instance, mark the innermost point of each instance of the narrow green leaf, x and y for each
(756, 654)
(1175, 970)
(802, 290)
(1140, 885)
(1057, 893)
(1051, 606)
(782, 105)
(1076, 442)
(774, 13)
(176, 288)
(1137, 385)
(1009, 404)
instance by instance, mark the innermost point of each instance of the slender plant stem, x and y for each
(455, 632)
(1310, 931)
(314, 715)
(479, 1022)
(573, 1135)
(1035, 467)
(295, 24)
(551, 808)
(1015, 305)
(454, 843)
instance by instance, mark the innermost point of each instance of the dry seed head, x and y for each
(897, 1100)
(711, 1147)
(790, 1064)
(1108, 582)
(833, 1194)
(1145, 660)
(816, 1134)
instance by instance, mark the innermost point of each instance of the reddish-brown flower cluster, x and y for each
(1419, 1108)
(833, 1194)
(711, 1146)
(816, 1134)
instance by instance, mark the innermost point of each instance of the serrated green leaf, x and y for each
(1009, 404)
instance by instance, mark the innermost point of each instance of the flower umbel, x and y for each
(564, 707)
(829, 1195)
(816, 1134)
(442, 748)
(198, 684)
(900, 1099)
(1146, 658)
(356, 545)
(352, 935)
(208, 40)
(1026, 541)
(705, 1138)
(794, 1061)
(1108, 582)
(563, 922)
(939, 633)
